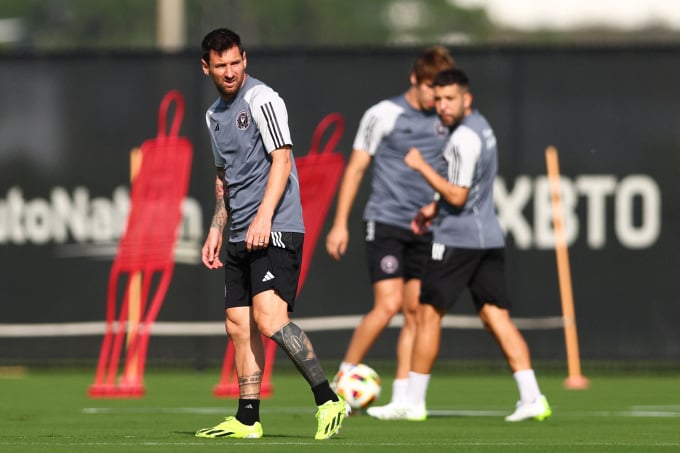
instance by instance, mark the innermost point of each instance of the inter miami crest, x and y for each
(242, 120)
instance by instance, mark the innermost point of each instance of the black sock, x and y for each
(248, 411)
(323, 393)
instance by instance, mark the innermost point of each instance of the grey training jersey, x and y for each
(473, 163)
(243, 132)
(387, 131)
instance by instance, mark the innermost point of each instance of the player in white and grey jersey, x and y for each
(386, 132)
(395, 254)
(243, 131)
(467, 252)
(251, 144)
(471, 162)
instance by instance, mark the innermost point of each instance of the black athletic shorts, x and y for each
(449, 270)
(395, 252)
(249, 273)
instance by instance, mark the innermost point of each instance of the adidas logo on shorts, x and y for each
(268, 276)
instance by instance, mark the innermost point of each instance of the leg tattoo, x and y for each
(298, 347)
(249, 386)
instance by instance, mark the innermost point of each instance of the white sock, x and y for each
(399, 388)
(417, 388)
(346, 366)
(527, 385)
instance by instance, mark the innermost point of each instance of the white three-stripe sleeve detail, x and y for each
(271, 117)
(462, 153)
(376, 123)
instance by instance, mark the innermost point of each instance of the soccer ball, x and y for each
(359, 387)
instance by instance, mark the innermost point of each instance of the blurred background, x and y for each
(80, 87)
(63, 25)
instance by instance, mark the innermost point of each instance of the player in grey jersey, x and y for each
(256, 173)
(395, 254)
(467, 251)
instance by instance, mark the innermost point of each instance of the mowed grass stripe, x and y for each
(250, 443)
(50, 411)
(632, 412)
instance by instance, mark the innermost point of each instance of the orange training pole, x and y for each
(134, 287)
(575, 380)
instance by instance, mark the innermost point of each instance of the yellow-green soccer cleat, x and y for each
(231, 427)
(329, 417)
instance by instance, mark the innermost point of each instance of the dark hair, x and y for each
(220, 40)
(451, 77)
(430, 62)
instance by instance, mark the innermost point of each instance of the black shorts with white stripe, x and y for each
(452, 269)
(276, 267)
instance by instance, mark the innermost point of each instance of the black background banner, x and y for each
(68, 123)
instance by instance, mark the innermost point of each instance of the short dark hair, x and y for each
(451, 77)
(220, 40)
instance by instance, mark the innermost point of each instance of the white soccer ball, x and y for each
(360, 386)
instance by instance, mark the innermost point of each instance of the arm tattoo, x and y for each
(220, 217)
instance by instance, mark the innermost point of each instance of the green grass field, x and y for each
(44, 410)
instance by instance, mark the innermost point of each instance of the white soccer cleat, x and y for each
(537, 410)
(397, 411)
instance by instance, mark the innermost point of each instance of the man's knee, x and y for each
(270, 312)
(494, 317)
(428, 315)
(239, 324)
(388, 296)
(238, 331)
(410, 308)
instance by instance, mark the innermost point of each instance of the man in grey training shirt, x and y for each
(467, 251)
(395, 254)
(256, 173)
